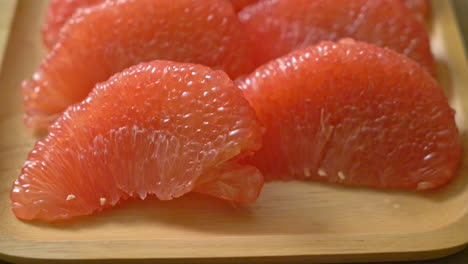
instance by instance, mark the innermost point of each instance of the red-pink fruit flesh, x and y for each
(107, 38)
(240, 4)
(160, 128)
(278, 27)
(421, 9)
(58, 13)
(355, 114)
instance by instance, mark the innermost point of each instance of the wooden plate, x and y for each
(7, 11)
(291, 221)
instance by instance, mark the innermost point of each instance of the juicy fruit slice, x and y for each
(58, 13)
(421, 9)
(278, 27)
(240, 4)
(162, 128)
(102, 40)
(355, 114)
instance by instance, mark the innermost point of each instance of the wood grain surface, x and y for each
(292, 221)
(7, 11)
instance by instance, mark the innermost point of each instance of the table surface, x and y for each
(461, 8)
(459, 258)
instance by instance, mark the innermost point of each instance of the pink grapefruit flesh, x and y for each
(107, 38)
(160, 128)
(58, 13)
(278, 27)
(355, 114)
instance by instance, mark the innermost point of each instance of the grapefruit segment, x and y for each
(421, 9)
(355, 114)
(240, 4)
(107, 38)
(58, 13)
(278, 27)
(159, 128)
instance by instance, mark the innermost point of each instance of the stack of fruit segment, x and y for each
(296, 24)
(141, 101)
(106, 38)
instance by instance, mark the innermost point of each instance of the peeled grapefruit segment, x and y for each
(58, 13)
(421, 9)
(240, 4)
(107, 38)
(355, 114)
(278, 27)
(161, 128)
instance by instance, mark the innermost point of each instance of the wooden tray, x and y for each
(291, 221)
(7, 9)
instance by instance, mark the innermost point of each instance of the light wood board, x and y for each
(291, 221)
(7, 11)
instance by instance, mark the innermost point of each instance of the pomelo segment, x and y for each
(58, 13)
(161, 128)
(107, 38)
(278, 27)
(240, 4)
(421, 9)
(355, 114)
